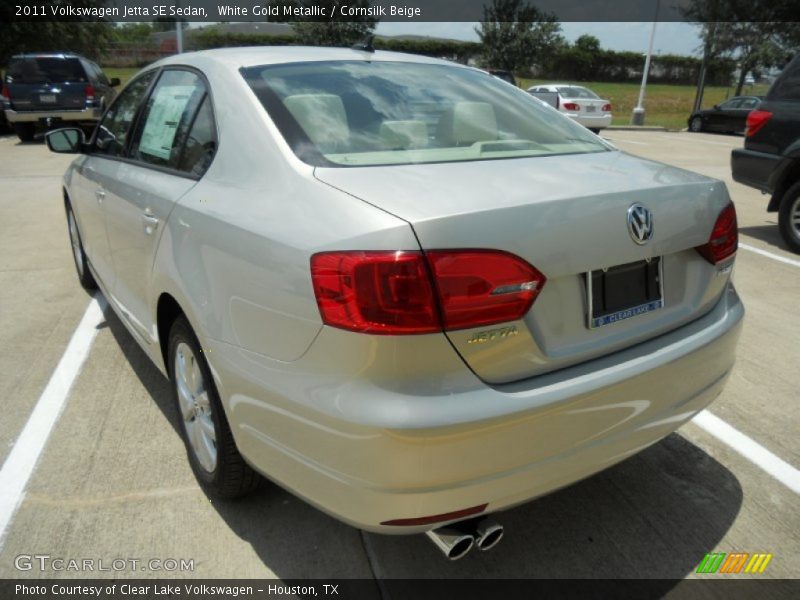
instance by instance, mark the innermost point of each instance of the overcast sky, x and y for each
(671, 38)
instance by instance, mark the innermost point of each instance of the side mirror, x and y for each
(114, 82)
(716, 107)
(69, 140)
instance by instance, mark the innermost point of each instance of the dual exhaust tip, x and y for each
(457, 539)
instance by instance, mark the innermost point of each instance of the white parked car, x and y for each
(577, 102)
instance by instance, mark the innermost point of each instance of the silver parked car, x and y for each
(577, 102)
(407, 292)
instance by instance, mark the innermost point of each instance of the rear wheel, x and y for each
(789, 218)
(594, 130)
(213, 455)
(25, 131)
(696, 124)
(78, 255)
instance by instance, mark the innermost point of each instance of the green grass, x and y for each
(665, 105)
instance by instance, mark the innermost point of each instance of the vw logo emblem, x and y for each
(640, 223)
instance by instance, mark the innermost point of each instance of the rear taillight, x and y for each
(393, 293)
(6, 93)
(606, 108)
(724, 237)
(756, 119)
(89, 92)
(571, 106)
(482, 287)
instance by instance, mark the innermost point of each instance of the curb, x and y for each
(637, 128)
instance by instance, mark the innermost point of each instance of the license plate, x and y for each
(591, 108)
(47, 98)
(624, 291)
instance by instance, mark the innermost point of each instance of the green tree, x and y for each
(727, 32)
(339, 31)
(132, 32)
(516, 35)
(84, 37)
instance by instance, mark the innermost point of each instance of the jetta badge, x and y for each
(640, 223)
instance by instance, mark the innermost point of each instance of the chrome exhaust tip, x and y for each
(488, 534)
(454, 544)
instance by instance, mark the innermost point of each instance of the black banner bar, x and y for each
(392, 10)
(401, 589)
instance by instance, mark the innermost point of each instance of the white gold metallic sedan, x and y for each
(405, 291)
(579, 103)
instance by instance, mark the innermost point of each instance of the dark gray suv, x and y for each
(45, 89)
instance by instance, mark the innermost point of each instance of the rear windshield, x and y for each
(575, 91)
(358, 113)
(46, 70)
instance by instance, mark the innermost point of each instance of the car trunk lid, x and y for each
(566, 216)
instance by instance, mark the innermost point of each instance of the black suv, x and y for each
(770, 159)
(43, 90)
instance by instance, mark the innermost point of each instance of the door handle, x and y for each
(150, 223)
(100, 194)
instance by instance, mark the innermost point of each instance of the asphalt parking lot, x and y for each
(112, 480)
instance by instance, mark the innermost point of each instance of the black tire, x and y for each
(696, 124)
(231, 477)
(25, 131)
(789, 218)
(78, 254)
(594, 130)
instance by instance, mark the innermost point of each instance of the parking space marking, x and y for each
(749, 449)
(778, 257)
(20, 463)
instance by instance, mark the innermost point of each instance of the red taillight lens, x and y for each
(89, 92)
(5, 93)
(391, 293)
(606, 108)
(375, 292)
(756, 119)
(571, 106)
(481, 287)
(724, 237)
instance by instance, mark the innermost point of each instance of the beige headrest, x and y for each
(322, 117)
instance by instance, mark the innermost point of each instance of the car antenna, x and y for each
(365, 45)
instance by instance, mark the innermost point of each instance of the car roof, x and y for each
(267, 55)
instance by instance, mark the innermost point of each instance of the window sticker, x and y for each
(167, 107)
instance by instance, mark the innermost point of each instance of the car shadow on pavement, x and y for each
(654, 515)
(766, 233)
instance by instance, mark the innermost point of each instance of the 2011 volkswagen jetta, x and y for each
(400, 288)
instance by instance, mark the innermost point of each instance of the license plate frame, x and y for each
(47, 98)
(591, 108)
(653, 292)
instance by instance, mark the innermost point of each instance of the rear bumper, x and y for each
(34, 116)
(754, 168)
(592, 122)
(367, 451)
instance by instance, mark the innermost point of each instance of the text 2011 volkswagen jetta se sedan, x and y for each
(399, 287)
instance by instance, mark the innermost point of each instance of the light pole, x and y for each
(637, 117)
(179, 31)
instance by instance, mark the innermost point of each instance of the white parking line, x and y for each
(24, 455)
(749, 449)
(778, 257)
